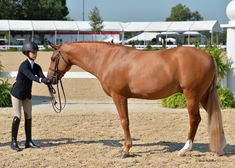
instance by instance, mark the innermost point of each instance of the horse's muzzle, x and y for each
(53, 80)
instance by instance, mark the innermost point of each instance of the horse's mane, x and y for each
(100, 42)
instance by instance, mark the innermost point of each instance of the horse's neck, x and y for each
(89, 58)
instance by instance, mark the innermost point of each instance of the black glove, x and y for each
(46, 81)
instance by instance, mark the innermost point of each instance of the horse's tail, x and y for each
(215, 123)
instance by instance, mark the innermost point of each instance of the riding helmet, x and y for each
(29, 46)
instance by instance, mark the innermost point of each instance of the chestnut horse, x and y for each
(126, 72)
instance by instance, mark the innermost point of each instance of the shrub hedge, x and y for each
(5, 97)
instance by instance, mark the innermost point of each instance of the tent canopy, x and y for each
(177, 26)
(136, 26)
(19, 25)
(65, 26)
(145, 36)
(43, 25)
(112, 40)
(4, 25)
(83, 25)
(181, 26)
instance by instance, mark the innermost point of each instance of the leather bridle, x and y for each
(57, 73)
(54, 79)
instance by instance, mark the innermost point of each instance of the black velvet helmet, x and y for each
(29, 46)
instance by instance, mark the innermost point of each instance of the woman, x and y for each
(21, 94)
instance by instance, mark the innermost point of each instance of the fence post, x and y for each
(230, 11)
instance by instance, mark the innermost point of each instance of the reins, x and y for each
(52, 91)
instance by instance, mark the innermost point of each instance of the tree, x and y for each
(183, 13)
(95, 20)
(8, 9)
(196, 16)
(33, 9)
(45, 9)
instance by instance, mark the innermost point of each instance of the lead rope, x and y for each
(52, 93)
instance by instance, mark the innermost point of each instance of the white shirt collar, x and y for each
(31, 62)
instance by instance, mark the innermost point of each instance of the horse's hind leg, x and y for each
(121, 105)
(194, 120)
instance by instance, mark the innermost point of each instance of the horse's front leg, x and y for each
(121, 105)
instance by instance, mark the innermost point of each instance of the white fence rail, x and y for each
(13, 74)
(19, 47)
(140, 47)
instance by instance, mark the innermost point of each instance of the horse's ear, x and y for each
(55, 47)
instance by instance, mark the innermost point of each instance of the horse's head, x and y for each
(59, 65)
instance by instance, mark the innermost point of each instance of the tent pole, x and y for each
(55, 36)
(217, 38)
(123, 33)
(212, 38)
(78, 36)
(165, 41)
(9, 38)
(32, 39)
(188, 39)
(144, 40)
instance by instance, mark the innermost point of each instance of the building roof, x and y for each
(19, 25)
(43, 25)
(179, 26)
(65, 25)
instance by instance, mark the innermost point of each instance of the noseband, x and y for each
(57, 74)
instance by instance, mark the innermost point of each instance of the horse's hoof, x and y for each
(124, 154)
(221, 153)
(181, 153)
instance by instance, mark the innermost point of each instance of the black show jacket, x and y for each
(22, 88)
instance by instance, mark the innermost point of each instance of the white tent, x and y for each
(19, 25)
(157, 27)
(81, 26)
(43, 25)
(108, 26)
(179, 26)
(112, 40)
(170, 37)
(28, 25)
(4, 25)
(112, 26)
(201, 37)
(211, 25)
(136, 26)
(145, 36)
(65, 26)
(192, 33)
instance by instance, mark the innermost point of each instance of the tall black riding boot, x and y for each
(14, 133)
(28, 132)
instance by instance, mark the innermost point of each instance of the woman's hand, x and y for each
(46, 81)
